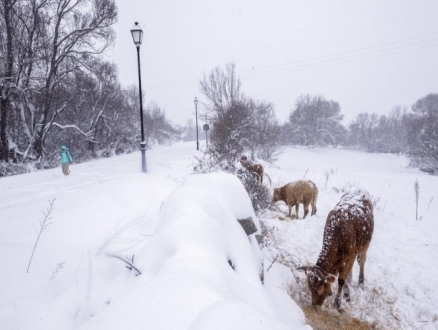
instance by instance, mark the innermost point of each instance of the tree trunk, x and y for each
(5, 88)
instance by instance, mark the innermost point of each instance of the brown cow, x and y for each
(296, 192)
(347, 235)
(257, 169)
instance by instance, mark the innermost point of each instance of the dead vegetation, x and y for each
(327, 320)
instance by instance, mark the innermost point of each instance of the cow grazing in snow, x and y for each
(257, 169)
(347, 235)
(296, 192)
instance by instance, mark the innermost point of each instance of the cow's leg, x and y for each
(306, 209)
(297, 209)
(313, 207)
(342, 282)
(361, 258)
(290, 209)
(347, 292)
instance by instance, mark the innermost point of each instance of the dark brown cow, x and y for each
(347, 235)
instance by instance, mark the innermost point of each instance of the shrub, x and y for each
(259, 194)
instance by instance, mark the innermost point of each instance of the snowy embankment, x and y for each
(401, 268)
(109, 207)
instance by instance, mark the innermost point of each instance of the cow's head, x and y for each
(319, 283)
(277, 195)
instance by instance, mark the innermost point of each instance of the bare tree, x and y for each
(239, 123)
(222, 89)
(6, 71)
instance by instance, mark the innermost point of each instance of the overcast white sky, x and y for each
(368, 55)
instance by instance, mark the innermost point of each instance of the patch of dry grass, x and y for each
(328, 320)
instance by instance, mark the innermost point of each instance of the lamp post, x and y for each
(137, 36)
(196, 111)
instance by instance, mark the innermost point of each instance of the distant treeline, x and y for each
(412, 131)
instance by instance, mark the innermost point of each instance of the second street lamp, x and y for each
(196, 111)
(137, 36)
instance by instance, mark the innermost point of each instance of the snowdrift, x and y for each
(187, 280)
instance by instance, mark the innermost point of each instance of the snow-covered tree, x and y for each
(375, 133)
(422, 133)
(157, 127)
(362, 130)
(317, 121)
(239, 123)
(46, 42)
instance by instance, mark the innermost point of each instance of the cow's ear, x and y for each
(330, 278)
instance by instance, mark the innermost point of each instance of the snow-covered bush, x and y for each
(259, 194)
(7, 169)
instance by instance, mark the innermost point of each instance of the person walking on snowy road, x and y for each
(66, 159)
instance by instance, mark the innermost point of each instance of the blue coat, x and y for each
(65, 156)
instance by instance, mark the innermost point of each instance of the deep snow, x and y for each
(182, 244)
(109, 206)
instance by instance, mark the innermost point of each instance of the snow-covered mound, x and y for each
(187, 280)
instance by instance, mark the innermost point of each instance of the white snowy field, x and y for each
(108, 206)
(401, 282)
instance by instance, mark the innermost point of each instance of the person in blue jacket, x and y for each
(66, 159)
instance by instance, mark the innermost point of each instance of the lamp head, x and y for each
(137, 34)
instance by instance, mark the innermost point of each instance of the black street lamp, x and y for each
(137, 36)
(196, 110)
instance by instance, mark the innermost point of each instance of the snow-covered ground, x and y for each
(401, 283)
(108, 206)
(182, 244)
